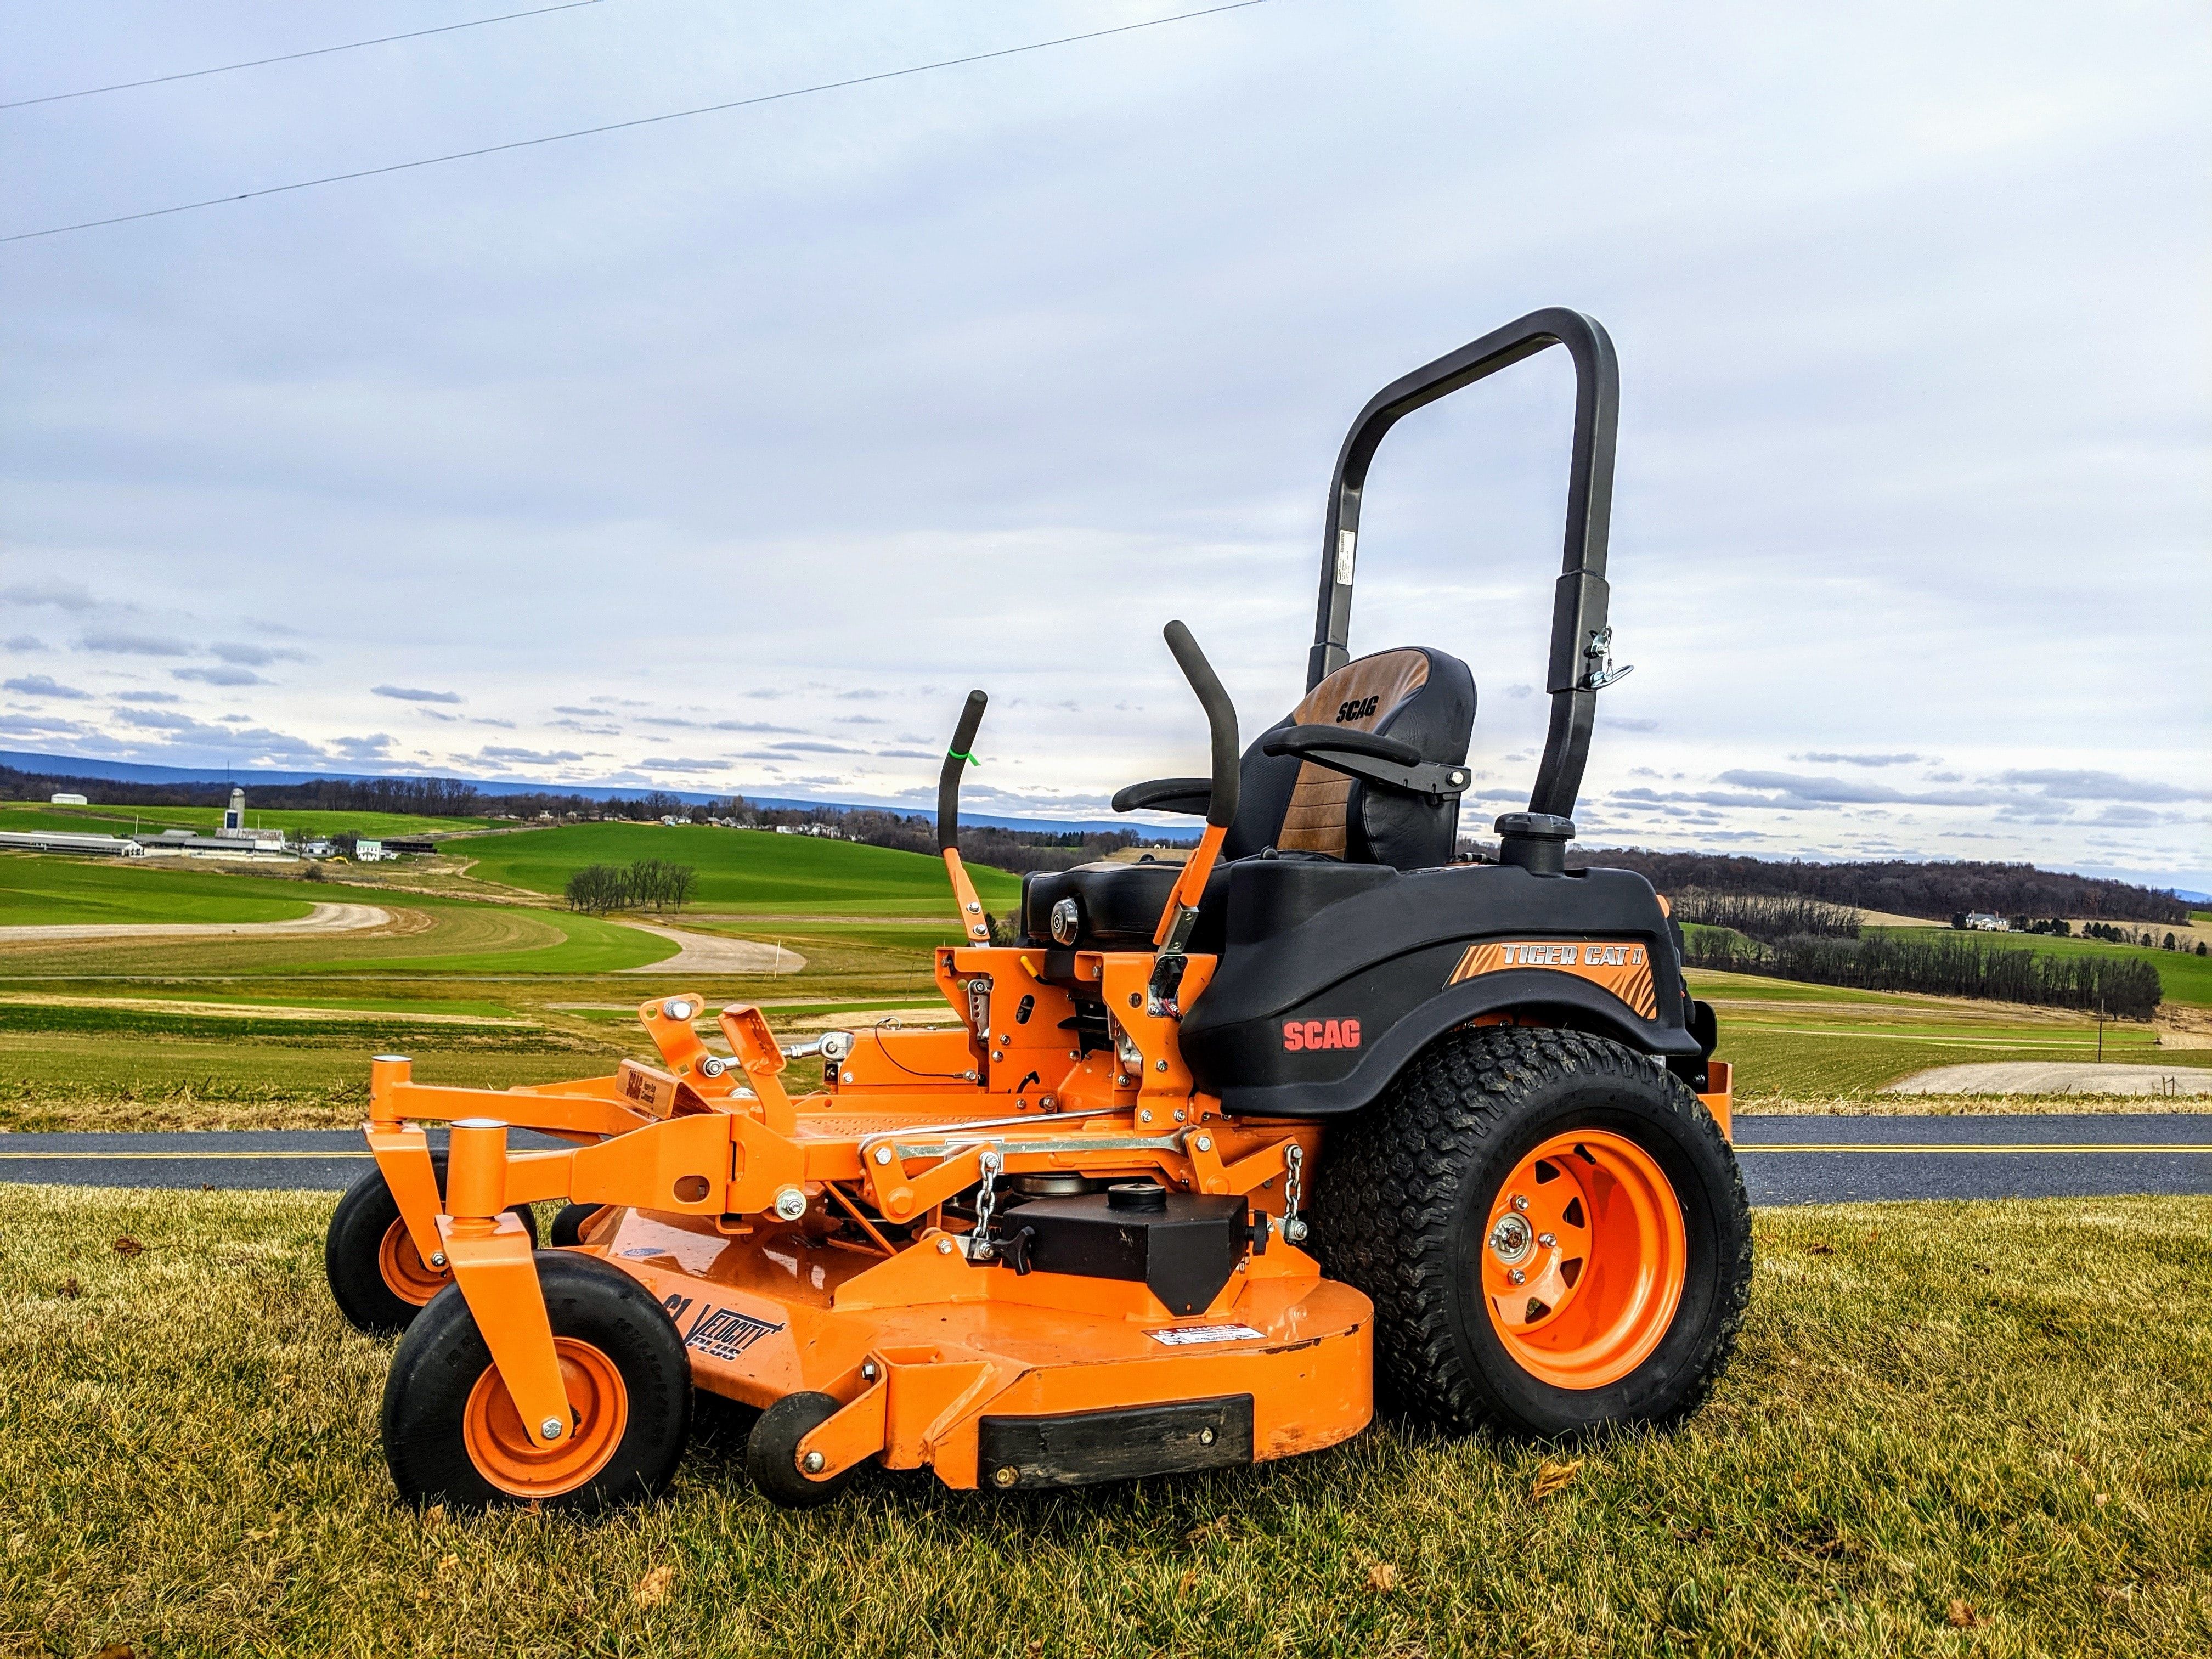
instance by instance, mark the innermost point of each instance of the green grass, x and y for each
(125, 820)
(1819, 1042)
(745, 871)
(41, 890)
(1931, 1443)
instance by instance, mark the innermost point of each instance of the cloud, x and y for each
(40, 725)
(504, 755)
(218, 676)
(2061, 785)
(25, 642)
(414, 694)
(255, 656)
(113, 643)
(1804, 790)
(1820, 757)
(148, 696)
(375, 747)
(682, 764)
(63, 596)
(908, 753)
(44, 685)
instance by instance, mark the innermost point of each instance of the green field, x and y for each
(742, 871)
(1931, 1442)
(1813, 1042)
(127, 820)
(41, 890)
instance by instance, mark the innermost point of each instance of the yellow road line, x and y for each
(188, 1157)
(1972, 1146)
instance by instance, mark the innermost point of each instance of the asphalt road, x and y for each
(1786, 1160)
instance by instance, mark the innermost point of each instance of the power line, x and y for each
(293, 57)
(640, 121)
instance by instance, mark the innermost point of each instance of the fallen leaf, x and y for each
(1382, 1577)
(1554, 1477)
(71, 1289)
(119, 1650)
(129, 1247)
(1188, 1582)
(1819, 1249)
(447, 1562)
(2103, 1498)
(652, 1589)
(434, 1516)
(1963, 1617)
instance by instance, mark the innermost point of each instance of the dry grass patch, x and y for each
(1952, 1429)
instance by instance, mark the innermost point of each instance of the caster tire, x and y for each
(378, 1278)
(772, 1452)
(1553, 1230)
(567, 1228)
(451, 1433)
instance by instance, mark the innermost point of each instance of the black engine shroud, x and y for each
(1333, 975)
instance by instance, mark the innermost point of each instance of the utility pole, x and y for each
(2100, 1034)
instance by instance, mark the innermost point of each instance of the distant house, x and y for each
(1982, 921)
(68, 800)
(318, 847)
(408, 844)
(367, 851)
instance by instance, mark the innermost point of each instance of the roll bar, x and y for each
(948, 776)
(1580, 661)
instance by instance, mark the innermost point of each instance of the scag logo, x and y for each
(1299, 1034)
(1358, 709)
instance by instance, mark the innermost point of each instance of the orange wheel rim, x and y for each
(501, 1449)
(1584, 1258)
(406, 1275)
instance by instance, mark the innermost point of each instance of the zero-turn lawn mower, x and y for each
(1217, 1149)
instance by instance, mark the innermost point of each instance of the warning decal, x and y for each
(1180, 1336)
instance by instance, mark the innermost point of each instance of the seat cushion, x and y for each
(1422, 696)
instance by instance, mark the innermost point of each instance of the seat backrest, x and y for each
(1419, 695)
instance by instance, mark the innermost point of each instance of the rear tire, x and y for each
(1633, 1234)
(377, 1277)
(450, 1434)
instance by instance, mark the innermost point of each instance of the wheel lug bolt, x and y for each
(1519, 1202)
(1547, 1239)
(1518, 1277)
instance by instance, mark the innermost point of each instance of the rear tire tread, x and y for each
(1390, 1189)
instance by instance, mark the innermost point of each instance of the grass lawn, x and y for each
(747, 871)
(42, 889)
(1931, 1442)
(1818, 1042)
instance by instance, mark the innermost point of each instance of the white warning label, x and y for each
(1184, 1336)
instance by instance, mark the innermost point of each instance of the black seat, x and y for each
(1297, 806)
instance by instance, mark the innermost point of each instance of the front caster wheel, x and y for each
(378, 1277)
(451, 1432)
(572, 1223)
(772, 1452)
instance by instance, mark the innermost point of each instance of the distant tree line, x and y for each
(1940, 965)
(1766, 915)
(600, 888)
(1899, 887)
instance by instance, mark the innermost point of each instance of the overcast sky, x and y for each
(728, 454)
